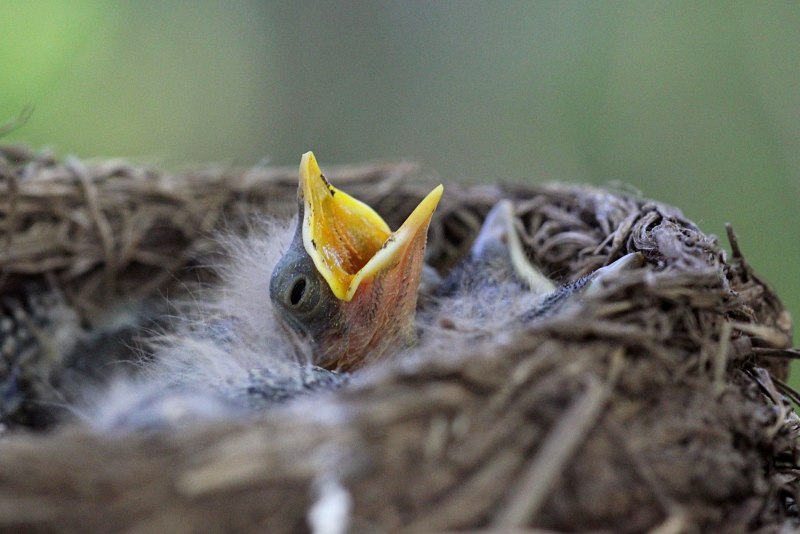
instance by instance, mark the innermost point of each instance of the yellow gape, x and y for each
(347, 240)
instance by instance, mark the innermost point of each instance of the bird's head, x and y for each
(347, 282)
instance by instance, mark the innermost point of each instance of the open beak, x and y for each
(372, 271)
(499, 250)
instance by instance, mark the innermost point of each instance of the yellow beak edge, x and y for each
(347, 240)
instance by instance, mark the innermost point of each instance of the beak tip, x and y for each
(430, 202)
(308, 165)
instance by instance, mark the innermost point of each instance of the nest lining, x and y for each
(648, 405)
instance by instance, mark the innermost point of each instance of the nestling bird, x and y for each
(347, 282)
(343, 294)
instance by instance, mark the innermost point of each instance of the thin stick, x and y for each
(787, 390)
(18, 122)
(789, 354)
(530, 493)
(734, 241)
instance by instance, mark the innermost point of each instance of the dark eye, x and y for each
(298, 290)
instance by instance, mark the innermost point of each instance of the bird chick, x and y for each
(348, 283)
(496, 257)
(343, 294)
(223, 355)
(496, 287)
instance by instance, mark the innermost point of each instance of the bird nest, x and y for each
(656, 404)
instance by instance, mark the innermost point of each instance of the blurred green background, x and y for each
(695, 104)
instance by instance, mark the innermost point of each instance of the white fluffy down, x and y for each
(222, 334)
